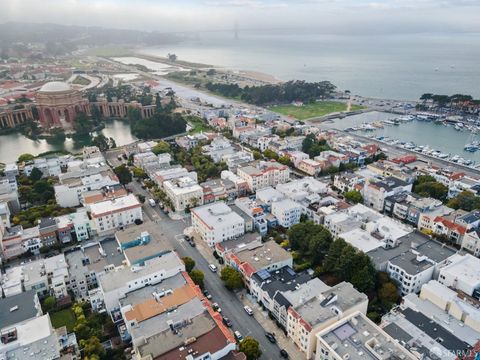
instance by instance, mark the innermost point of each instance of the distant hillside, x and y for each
(78, 35)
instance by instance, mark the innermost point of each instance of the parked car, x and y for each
(227, 322)
(216, 307)
(248, 310)
(207, 294)
(270, 337)
(284, 354)
(238, 336)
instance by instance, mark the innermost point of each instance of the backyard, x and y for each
(63, 318)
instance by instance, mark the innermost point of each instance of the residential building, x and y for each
(218, 148)
(47, 228)
(34, 337)
(462, 272)
(347, 181)
(254, 212)
(240, 185)
(116, 283)
(217, 222)
(413, 261)
(374, 193)
(357, 337)
(88, 262)
(310, 167)
(321, 311)
(450, 230)
(28, 307)
(141, 243)
(471, 242)
(265, 173)
(435, 325)
(111, 215)
(287, 212)
(183, 193)
(69, 192)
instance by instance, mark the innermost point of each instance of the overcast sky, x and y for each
(335, 16)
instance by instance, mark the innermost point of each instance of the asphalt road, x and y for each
(229, 303)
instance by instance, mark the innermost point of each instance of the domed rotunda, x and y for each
(58, 104)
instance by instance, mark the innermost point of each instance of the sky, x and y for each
(325, 16)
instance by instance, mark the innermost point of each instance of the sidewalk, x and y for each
(269, 325)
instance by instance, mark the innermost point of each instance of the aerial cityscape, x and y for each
(239, 180)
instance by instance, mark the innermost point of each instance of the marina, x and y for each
(447, 139)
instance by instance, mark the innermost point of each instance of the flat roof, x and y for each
(119, 277)
(319, 309)
(26, 308)
(264, 255)
(466, 268)
(358, 338)
(153, 307)
(114, 205)
(215, 213)
(140, 295)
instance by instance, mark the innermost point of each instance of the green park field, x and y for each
(317, 109)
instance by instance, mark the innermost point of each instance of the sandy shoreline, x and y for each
(248, 74)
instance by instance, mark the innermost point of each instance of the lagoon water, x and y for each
(15, 144)
(384, 66)
(439, 137)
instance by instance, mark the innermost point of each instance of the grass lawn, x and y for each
(316, 109)
(109, 51)
(197, 124)
(63, 318)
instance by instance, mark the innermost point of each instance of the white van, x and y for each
(212, 267)
(152, 202)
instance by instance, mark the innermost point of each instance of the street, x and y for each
(231, 306)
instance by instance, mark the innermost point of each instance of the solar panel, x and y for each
(263, 274)
(291, 271)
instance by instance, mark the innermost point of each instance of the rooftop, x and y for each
(264, 255)
(466, 268)
(26, 308)
(55, 86)
(111, 206)
(340, 298)
(120, 276)
(216, 213)
(358, 338)
(435, 251)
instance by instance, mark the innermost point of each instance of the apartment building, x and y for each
(183, 193)
(287, 212)
(110, 215)
(217, 222)
(265, 173)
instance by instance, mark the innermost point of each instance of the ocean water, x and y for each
(383, 66)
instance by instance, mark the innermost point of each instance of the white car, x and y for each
(248, 310)
(212, 267)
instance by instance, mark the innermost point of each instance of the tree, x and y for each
(139, 173)
(197, 277)
(36, 174)
(83, 124)
(141, 198)
(134, 114)
(270, 154)
(92, 347)
(123, 174)
(334, 253)
(161, 147)
(388, 293)
(466, 200)
(251, 348)
(284, 160)
(49, 303)
(25, 157)
(102, 142)
(231, 278)
(257, 154)
(433, 189)
(354, 196)
(189, 263)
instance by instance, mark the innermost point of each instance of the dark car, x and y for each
(227, 321)
(207, 294)
(284, 353)
(271, 337)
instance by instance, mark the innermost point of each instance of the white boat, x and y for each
(443, 155)
(455, 158)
